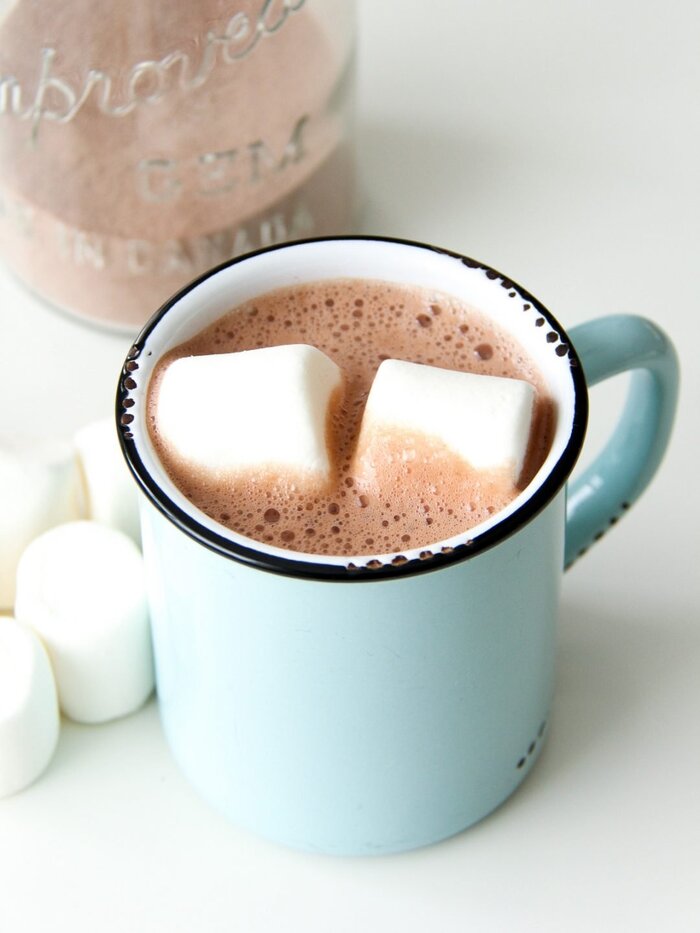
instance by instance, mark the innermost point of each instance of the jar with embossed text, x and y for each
(144, 141)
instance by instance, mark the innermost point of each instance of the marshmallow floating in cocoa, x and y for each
(485, 420)
(80, 586)
(39, 488)
(29, 718)
(112, 496)
(255, 410)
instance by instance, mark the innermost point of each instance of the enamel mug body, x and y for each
(357, 710)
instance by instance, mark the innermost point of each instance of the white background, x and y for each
(558, 141)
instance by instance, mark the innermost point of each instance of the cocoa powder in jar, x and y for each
(142, 143)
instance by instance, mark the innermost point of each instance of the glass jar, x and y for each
(144, 141)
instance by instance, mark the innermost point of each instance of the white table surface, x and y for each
(560, 142)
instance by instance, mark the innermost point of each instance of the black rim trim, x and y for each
(273, 563)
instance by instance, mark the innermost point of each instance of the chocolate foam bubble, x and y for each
(412, 491)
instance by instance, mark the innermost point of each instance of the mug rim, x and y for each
(295, 565)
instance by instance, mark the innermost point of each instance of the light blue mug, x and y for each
(362, 711)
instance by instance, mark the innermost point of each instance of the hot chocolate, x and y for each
(413, 491)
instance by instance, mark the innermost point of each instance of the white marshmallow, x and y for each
(233, 412)
(39, 488)
(485, 420)
(81, 588)
(112, 496)
(29, 720)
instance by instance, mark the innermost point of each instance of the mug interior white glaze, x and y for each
(401, 262)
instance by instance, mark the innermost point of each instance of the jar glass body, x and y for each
(142, 143)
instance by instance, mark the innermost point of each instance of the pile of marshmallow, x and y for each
(71, 569)
(80, 638)
(484, 420)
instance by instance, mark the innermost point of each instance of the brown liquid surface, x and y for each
(402, 493)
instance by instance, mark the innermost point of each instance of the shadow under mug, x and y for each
(362, 710)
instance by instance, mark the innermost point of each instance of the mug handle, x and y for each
(620, 473)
